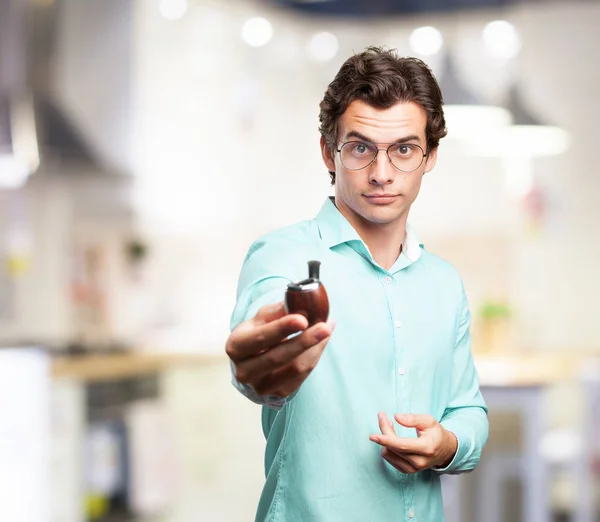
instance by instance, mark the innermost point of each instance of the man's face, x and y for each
(379, 194)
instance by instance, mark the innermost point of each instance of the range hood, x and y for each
(373, 8)
(35, 131)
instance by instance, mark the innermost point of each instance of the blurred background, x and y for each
(144, 144)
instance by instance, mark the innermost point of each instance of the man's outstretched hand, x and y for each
(268, 358)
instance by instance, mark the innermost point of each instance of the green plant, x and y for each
(494, 310)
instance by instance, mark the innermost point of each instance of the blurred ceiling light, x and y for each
(323, 46)
(465, 115)
(530, 140)
(501, 40)
(466, 121)
(518, 144)
(426, 41)
(173, 9)
(528, 135)
(257, 31)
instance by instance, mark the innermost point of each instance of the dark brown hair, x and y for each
(382, 78)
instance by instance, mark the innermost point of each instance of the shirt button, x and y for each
(388, 280)
(411, 514)
(398, 324)
(401, 370)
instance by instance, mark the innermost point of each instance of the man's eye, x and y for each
(404, 150)
(361, 148)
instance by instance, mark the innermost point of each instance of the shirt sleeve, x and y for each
(267, 270)
(466, 412)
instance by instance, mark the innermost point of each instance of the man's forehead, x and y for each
(402, 118)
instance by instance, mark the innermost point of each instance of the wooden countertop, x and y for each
(104, 367)
(521, 370)
(494, 370)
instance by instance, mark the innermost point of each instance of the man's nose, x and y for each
(382, 171)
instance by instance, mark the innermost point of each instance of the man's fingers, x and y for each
(290, 352)
(288, 378)
(385, 425)
(396, 450)
(270, 312)
(406, 454)
(401, 445)
(419, 462)
(415, 420)
(400, 463)
(255, 336)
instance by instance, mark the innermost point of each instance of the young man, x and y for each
(361, 431)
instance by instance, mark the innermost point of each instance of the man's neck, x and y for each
(384, 241)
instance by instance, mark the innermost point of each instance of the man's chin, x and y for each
(385, 214)
(383, 217)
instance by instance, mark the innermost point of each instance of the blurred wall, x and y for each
(228, 148)
(34, 302)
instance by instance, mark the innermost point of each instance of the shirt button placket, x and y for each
(401, 386)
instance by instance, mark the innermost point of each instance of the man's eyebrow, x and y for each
(362, 137)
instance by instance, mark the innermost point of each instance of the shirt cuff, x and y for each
(462, 448)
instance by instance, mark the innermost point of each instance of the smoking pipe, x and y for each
(308, 297)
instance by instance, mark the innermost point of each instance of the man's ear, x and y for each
(327, 154)
(431, 160)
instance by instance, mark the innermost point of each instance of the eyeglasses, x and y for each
(358, 155)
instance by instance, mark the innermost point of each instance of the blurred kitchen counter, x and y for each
(512, 369)
(107, 367)
(532, 369)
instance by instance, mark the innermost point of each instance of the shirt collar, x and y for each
(335, 229)
(411, 246)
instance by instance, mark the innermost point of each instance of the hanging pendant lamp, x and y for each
(466, 115)
(528, 134)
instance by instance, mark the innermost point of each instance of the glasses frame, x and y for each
(387, 152)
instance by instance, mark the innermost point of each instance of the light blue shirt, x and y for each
(401, 345)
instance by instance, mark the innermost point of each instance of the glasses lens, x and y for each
(406, 156)
(357, 155)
